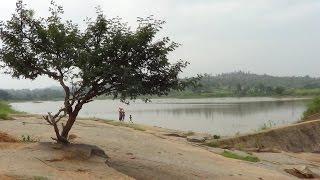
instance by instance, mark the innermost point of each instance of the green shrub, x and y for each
(5, 110)
(216, 137)
(312, 108)
(229, 154)
(28, 139)
(306, 92)
(4, 116)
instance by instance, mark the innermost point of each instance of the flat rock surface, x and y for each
(132, 154)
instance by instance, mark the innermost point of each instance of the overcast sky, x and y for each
(278, 37)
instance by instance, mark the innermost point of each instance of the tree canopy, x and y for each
(106, 58)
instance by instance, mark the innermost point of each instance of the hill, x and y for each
(249, 79)
(248, 84)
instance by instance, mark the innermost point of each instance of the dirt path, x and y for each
(133, 153)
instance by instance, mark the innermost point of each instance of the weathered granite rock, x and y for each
(198, 139)
(300, 172)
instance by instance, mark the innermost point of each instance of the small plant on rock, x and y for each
(28, 139)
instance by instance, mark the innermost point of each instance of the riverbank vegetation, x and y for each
(5, 111)
(236, 84)
(313, 110)
(244, 84)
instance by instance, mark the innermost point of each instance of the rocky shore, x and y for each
(111, 150)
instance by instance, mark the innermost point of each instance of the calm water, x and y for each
(223, 116)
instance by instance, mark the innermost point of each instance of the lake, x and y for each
(222, 116)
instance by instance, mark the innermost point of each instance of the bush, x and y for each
(306, 92)
(5, 110)
(4, 116)
(216, 137)
(312, 108)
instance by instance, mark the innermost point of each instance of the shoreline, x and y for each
(168, 125)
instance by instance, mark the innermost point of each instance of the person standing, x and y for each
(120, 113)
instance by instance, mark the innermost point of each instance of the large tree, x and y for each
(105, 58)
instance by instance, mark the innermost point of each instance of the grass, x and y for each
(306, 92)
(229, 154)
(40, 178)
(6, 110)
(212, 144)
(123, 124)
(189, 133)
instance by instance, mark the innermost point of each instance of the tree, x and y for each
(107, 58)
(4, 95)
(279, 90)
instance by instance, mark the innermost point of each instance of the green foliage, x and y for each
(313, 108)
(106, 58)
(35, 94)
(4, 95)
(306, 92)
(5, 111)
(211, 86)
(229, 154)
(4, 116)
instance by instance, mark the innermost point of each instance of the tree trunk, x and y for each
(66, 129)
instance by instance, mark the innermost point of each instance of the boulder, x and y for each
(176, 134)
(198, 139)
(301, 171)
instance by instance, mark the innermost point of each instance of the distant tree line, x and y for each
(30, 95)
(240, 84)
(236, 84)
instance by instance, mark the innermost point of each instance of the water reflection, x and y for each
(224, 116)
(239, 109)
